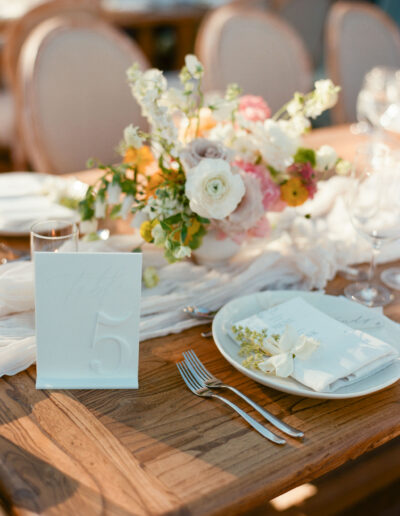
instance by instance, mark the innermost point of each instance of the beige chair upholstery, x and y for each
(308, 18)
(21, 27)
(358, 37)
(74, 95)
(256, 49)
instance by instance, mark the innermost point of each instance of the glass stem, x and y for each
(372, 265)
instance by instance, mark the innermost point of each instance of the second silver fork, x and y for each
(208, 380)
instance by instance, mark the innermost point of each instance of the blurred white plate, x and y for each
(27, 197)
(354, 315)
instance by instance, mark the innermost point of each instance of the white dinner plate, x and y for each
(26, 197)
(354, 315)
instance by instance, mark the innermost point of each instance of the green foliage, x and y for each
(304, 155)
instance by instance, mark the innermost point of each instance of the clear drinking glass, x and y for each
(54, 236)
(373, 203)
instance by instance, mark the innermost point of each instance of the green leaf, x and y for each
(273, 171)
(304, 155)
(114, 213)
(174, 219)
(203, 220)
(184, 232)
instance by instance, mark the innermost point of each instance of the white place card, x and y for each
(87, 320)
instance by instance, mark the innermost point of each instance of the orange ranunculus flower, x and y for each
(141, 158)
(293, 192)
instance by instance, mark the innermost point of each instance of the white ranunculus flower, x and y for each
(182, 251)
(114, 193)
(194, 66)
(132, 138)
(88, 226)
(213, 190)
(326, 158)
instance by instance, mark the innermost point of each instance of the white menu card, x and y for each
(87, 320)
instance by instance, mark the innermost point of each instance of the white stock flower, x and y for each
(174, 99)
(99, 209)
(182, 251)
(326, 158)
(297, 125)
(222, 109)
(195, 68)
(126, 206)
(276, 143)
(88, 226)
(213, 190)
(132, 137)
(324, 97)
(114, 193)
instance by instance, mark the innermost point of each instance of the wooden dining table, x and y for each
(160, 450)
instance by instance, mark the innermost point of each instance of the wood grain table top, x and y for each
(160, 450)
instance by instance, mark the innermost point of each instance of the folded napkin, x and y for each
(27, 197)
(342, 355)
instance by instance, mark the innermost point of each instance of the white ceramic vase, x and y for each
(214, 251)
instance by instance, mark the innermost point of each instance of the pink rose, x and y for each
(270, 191)
(247, 214)
(254, 108)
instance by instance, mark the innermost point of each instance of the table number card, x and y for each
(87, 320)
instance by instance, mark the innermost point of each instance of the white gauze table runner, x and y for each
(302, 254)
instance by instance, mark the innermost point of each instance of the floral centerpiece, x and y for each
(217, 163)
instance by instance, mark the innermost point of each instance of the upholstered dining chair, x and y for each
(73, 92)
(256, 49)
(358, 37)
(15, 35)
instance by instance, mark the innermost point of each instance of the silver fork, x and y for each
(208, 380)
(200, 390)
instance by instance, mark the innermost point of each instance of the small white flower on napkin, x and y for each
(290, 345)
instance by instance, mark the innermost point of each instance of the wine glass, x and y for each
(377, 98)
(373, 204)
